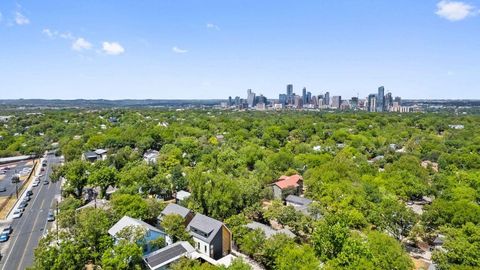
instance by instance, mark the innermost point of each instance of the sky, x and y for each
(202, 49)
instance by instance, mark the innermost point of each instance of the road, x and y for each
(7, 177)
(28, 229)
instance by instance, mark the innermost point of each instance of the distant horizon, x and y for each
(119, 49)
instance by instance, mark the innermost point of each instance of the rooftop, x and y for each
(173, 208)
(126, 221)
(288, 181)
(298, 200)
(204, 224)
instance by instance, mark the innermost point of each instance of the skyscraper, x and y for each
(309, 97)
(326, 98)
(336, 101)
(250, 98)
(290, 94)
(304, 95)
(388, 101)
(372, 103)
(381, 99)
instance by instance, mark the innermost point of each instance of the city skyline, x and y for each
(118, 50)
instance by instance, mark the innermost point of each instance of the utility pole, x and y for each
(56, 220)
(16, 189)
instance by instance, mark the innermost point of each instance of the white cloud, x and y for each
(48, 32)
(66, 35)
(20, 19)
(213, 26)
(176, 49)
(80, 44)
(454, 10)
(112, 48)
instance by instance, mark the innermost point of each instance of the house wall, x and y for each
(226, 241)
(201, 246)
(277, 192)
(217, 245)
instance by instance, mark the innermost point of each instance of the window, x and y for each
(205, 247)
(198, 245)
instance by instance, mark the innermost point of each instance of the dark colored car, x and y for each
(29, 193)
(46, 182)
(8, 229)
(22, 205)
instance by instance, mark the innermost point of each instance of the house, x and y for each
(181, 196)
(269, 231)
(92, 156)
(288, 184)
(211, 237)
(151, 233)
(175, 209)
(151, 156)
(162, 258)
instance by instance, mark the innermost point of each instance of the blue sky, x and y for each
(214, 49)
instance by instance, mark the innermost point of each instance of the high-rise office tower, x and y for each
(309, 97)
(372, 103)
(250, 98)
(336, 101)
(297, 101)
(304, 95)
(354, 102)
(289, 93)
(388, 101)
(381, 99)
(282, 99)
(398, 100)
(326, 98)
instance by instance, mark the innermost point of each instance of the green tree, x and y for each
(174, 226)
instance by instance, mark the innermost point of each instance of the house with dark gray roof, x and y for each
(211, 237)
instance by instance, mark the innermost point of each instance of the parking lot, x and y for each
(21, 168)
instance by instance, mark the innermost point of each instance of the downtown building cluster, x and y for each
(376, 102)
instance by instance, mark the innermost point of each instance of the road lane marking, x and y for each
(22, 222)
(30, 236)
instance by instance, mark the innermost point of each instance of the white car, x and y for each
(35, 184)
(17, 214)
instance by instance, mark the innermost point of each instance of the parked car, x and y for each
(2, 171)
(27, 198)
(17, 214)
(22, 205)
(29, 193)
(8, 229)
(3, 189)
(15, 178)
(51, 216)
(4, 237)
(46, 182)
(35, 184)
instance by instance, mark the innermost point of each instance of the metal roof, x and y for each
(168, 254)
(173, 208)
(206, 225)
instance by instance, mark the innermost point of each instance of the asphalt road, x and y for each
(28, 229)
(7, 177)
